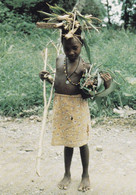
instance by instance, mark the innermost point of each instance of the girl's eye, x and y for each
(75, 48)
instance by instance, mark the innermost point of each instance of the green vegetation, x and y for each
(21, 44)
(21, 62)
(115, 50)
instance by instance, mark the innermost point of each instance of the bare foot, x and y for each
(64, 183)
(85, 184)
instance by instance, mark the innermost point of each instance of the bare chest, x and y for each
(67, 80)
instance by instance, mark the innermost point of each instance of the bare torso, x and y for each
(60, 78)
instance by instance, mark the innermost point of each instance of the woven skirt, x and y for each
(71, 120)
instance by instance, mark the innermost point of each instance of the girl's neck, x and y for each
(72, 63)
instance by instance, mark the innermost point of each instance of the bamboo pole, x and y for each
(44, 119)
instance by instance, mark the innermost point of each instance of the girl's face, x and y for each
(72, 48)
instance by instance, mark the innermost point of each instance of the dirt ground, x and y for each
(112, 159)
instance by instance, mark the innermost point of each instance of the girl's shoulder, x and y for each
(85, 65)
(60, 57)
(60, 61)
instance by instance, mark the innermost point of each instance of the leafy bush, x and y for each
(11, 21)
(20, 3)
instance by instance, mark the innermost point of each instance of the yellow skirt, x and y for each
(71, 120)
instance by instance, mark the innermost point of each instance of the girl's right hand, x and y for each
(45, 75)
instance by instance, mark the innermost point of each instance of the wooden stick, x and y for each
(44, 119)
(55, 25)
(51, 69)
(47, 25)
(46, 107)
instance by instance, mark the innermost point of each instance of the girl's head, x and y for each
(72, 46)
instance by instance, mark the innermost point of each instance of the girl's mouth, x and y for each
(72, 58)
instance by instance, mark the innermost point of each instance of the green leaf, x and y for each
(47, 14)
(87, 48)
(57, 10)
(106, 92)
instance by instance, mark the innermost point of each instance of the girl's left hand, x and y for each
(107, 79)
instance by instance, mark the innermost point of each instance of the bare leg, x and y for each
(85, 182)
(68, 153)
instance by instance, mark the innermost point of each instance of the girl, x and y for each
(71, 117)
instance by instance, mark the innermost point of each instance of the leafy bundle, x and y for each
(92, 84)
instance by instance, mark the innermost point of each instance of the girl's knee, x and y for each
(84, 146)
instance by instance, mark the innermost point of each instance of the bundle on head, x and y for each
(70, 22)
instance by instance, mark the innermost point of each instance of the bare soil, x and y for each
(112, 159)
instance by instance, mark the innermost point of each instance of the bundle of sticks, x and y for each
(71, 22)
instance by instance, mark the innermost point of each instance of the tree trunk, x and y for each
(108, 12)
(126, 15)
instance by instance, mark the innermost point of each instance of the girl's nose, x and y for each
(71, 52)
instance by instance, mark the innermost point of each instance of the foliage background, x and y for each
(21, 44)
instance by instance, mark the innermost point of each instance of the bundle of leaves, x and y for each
(92, 83)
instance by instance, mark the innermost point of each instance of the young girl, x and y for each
(71, 118)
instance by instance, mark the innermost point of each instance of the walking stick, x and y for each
(46, 107)
(44, 117)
